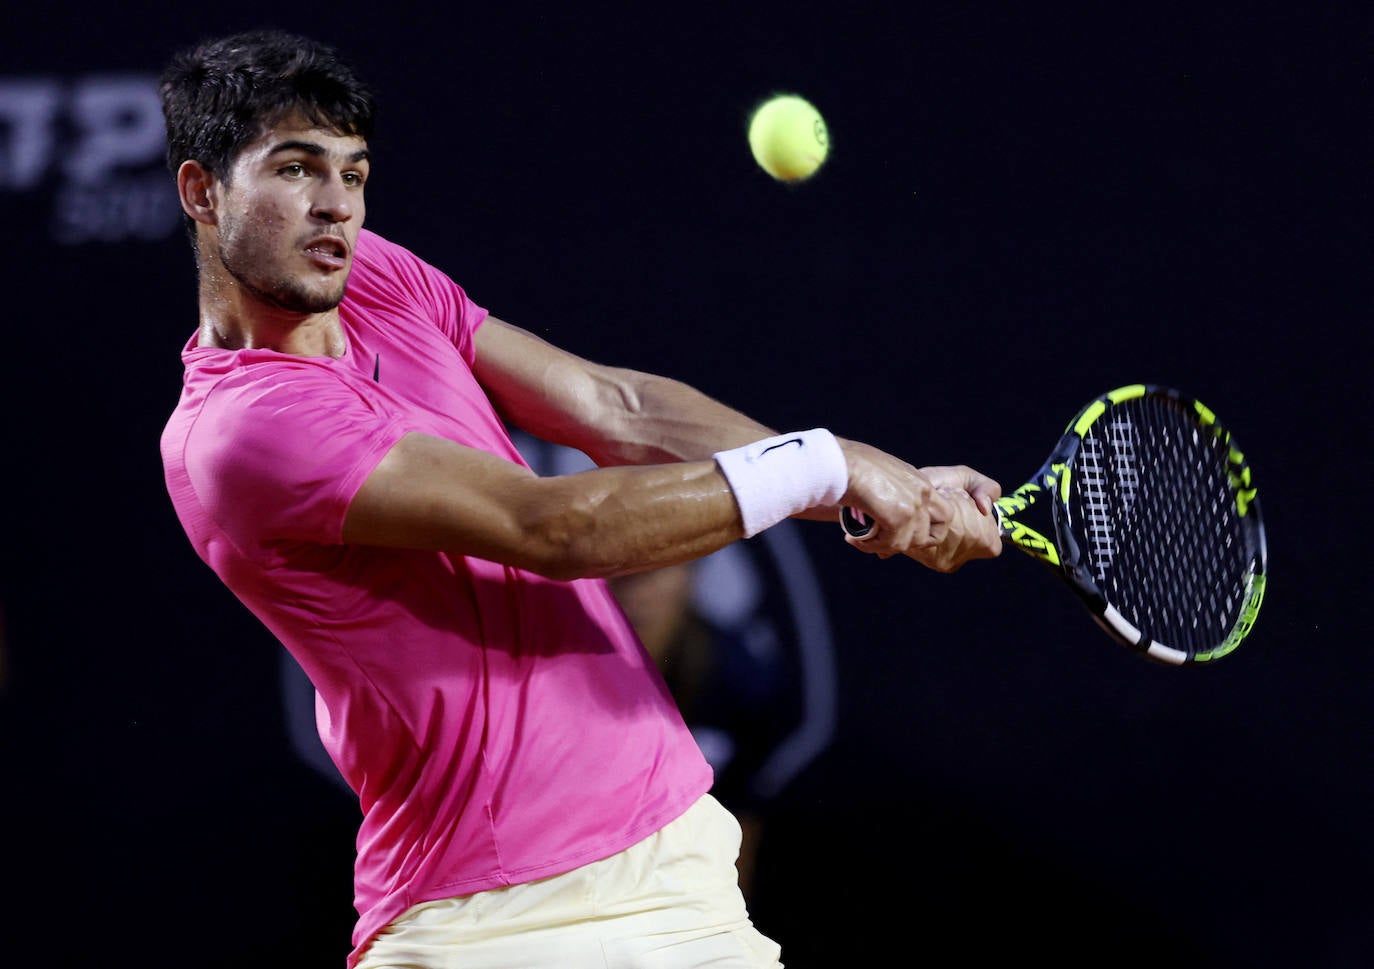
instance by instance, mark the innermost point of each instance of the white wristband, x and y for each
(780, 476)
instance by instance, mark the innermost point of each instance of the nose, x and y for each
(333, 202)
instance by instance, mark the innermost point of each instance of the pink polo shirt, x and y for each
(497, 726)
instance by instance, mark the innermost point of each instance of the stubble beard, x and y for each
(284, 293)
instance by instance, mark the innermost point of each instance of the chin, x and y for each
(301, 300)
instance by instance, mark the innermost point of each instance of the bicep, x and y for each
(431, 493)
(553, 394)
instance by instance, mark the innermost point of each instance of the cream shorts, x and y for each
(672, 901)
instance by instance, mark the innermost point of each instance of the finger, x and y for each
(985, 494)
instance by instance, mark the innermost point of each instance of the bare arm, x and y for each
(430, 493)
(613, 415)
(435, 494)
(618, 416)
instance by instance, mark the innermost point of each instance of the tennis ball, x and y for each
(788, 137)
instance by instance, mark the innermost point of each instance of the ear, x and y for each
(198, 189)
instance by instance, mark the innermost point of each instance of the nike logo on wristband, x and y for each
(773, 447)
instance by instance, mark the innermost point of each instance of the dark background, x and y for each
(1022, 209)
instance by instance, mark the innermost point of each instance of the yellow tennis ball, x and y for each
(788, 137)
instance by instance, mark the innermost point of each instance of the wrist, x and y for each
(782, 476)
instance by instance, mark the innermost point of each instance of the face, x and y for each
(289, 215)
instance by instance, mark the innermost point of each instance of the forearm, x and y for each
(661, 420)
(429, 493)
(624, 417)
(617, 521)
(614, 415)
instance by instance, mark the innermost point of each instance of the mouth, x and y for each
(328, 252)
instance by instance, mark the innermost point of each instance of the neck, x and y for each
(320, 335)
(234, 318)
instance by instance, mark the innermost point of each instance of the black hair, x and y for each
(220, 95)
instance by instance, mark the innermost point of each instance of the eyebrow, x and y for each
(313, 148)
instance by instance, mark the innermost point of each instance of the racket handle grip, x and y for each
(855, 522)
(859, 525)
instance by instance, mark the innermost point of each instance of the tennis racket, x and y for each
(1153, 520)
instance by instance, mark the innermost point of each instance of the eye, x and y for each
(354, 179)
(292, 170)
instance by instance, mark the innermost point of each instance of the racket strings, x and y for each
(1154, 514)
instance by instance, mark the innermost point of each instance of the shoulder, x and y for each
(389, 278)
(382, 265)
(373, 249)
(283, 419)
(385, 273)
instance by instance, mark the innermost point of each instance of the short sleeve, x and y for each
(279, 451)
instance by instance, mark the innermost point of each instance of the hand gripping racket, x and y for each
(1154, 522)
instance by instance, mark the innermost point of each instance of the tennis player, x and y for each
(530, 794)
